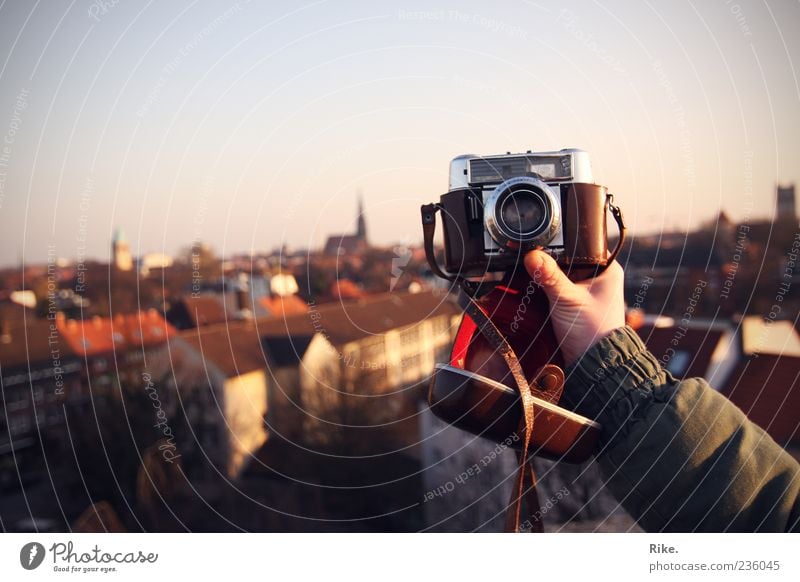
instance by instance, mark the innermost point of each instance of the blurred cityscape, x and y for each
(286, 391)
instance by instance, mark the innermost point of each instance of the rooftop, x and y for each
(344, 322)
(765, 336)
(767, 388)
(237, 347)
(99, 335)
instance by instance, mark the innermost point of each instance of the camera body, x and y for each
(501, 206)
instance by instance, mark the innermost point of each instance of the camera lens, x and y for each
(523, 212)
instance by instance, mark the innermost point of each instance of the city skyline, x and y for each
(342, 239)
(249, 128)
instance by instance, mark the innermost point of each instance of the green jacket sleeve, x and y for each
(678, 455)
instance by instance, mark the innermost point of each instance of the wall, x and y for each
(245, 406)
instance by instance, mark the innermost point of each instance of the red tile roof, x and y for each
(346, 289)
(205, 310)
(767, 388)
(234, 348)
(281, 307)
(101, 334)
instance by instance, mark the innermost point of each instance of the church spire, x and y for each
(361, 229)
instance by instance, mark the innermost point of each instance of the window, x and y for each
(411, 367)
(373, 351)
(409, 336)
(441, 327)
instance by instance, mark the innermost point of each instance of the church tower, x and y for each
(361, 229)
(350, 244)
(121, 252)
(785, 209)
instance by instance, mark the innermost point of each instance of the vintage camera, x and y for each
(496, 210)
(499, 207)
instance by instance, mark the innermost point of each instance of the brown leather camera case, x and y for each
(490, 409)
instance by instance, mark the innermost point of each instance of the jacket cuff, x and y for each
(615, 373)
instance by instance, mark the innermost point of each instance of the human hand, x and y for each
(584, 312)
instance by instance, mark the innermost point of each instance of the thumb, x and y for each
(546, 273)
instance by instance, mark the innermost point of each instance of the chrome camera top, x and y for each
(521, 195)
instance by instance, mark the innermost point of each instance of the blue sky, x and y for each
(251, 126)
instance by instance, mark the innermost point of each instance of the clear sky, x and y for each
(249, 126)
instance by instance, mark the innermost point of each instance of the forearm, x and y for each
(678, 455)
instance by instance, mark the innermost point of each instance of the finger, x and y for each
(546, 273)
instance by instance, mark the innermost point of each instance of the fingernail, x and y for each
(535, 261)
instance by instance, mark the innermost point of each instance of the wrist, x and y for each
(587, 341)
(611, 369)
